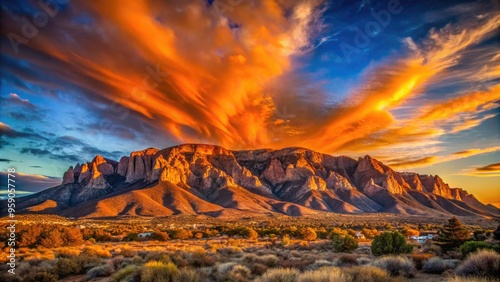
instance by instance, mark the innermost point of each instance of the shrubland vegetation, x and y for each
(248, 250)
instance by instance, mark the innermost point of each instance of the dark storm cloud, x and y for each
(9, 132)
(68, 149)
(32, 182)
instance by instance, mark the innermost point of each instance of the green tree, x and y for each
(390, 243)
(344, 244)
(474, 246)
(452, 235)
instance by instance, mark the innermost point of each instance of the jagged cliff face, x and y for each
(271, 180)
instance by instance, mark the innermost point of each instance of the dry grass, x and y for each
(484, 263)
(279, 275)
(126, 274)
(155, 271)
(472, 279)
(396, 265)
(435, 265)
(325, 274)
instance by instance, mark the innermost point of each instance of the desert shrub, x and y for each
(117, 261)
(345, 243)
(72, 236)
(96, 251)
(128, 252)
(480, 235)
(430, 248)
(125, 274)
(321, 263)
(396, 265)
(419, 259)
(410, 232)
(435, 265)
(201, 259)
(155, 271)
(87, 261)
(452, 235)
(158, 256)
(52, 239)
(160, 236)
(225, 267)
(137, 260)
(269, 260)
(42, 276)
(472, 279)
(189, 275)
(285, 241)
(249, 233)
(370, 233)
(474, 246)
(67, 252)
(279, 275)
(182, 234)
(66, 266)
(228, 251)
(348, 259)
(368, 273)
(179, 259)
(131, 237)
(393, 243)
(485, 263)
(258, 268)
(308, 234)
(100, 271)
(363, 261)
(325, 274)
(496, 233)
(239, 273)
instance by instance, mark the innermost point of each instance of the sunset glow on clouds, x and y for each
(116, 76)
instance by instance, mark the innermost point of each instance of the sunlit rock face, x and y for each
(435, 185)
(69, 176)
(91, 174)
(268, 180)
(372, 176)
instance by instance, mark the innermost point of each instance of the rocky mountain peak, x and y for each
(286, 180)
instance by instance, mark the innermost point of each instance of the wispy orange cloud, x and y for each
(420, 162)
(491, 170)
(368, 124)
(203, 76)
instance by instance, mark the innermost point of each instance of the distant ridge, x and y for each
(211, 180)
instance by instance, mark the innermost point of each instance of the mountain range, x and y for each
(214, 181)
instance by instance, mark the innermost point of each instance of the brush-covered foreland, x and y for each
(332, 247)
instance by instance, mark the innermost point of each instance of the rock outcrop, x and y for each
(291, 180)
(69, 176)
(92, 174)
